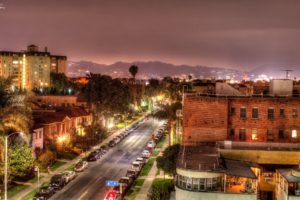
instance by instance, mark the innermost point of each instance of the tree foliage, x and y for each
(109, 95)
(60, 84)
(133, 69)
(154, 88)
(172, 88)
(167, 111)
(46, 159)
(167, 161)
(20, 161)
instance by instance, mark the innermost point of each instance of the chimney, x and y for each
(46, 49)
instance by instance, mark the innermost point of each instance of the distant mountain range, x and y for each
(152, 69)
(157, 69)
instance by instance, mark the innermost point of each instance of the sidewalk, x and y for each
(46, 176)
(143, 193)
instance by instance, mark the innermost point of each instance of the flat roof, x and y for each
(204, 157)
(254, 96)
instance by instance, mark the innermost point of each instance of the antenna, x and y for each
(287, 72)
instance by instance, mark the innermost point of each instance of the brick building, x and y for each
(240, 147)
(244, 118)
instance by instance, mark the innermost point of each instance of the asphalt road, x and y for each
(90, 184)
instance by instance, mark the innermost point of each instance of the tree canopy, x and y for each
(167, 161)
(109, 95)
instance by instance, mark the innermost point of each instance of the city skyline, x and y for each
(234, 34)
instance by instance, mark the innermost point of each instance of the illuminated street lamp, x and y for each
(6, 160)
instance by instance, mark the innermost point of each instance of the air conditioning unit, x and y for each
(297, 192)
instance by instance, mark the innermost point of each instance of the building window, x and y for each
(231, 133)
(254, 134)
(281, 134)
(282, 112)
(270, 136)
(189, 183)
(255, 113)
(243, 113)
(202, 184)
(242, 135)
(196, 184)
(295, 113)
(232, 111)
(271, 113)
(294, 133)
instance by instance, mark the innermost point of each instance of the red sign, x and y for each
(111, 195)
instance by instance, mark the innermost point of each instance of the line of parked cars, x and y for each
(116, 140)
(136, 167)
(97, 153)
(57, 182)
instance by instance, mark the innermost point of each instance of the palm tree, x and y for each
(133, 69)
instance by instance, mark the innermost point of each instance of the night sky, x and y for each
(224, 33)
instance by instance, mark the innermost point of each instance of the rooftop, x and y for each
(206, 158)
(254, 96)
(289, 175)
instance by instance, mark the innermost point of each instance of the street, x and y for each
(90, 184)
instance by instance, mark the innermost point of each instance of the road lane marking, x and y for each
(83, 195)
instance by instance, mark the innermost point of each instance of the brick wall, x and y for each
(209, 119)
(204, 119)
(262, 124)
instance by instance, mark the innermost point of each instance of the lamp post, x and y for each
(6, 160)
(37, 169)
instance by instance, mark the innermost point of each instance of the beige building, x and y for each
(31, 68)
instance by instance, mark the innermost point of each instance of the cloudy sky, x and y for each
(222, 33)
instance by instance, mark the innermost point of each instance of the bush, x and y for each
(67, 155)
(161, 189)
(46, 159)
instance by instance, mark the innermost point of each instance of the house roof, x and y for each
(73, 111)
(48, 117)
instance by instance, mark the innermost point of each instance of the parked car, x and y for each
(151, 144)
(141, 160)
(81, 166)
(136, 166)
(58, 181)
(126, 181)
(132, 173)
(44, 193)
(93, 156)
(117, 140)
(112, 143)
(69, 176)
(145, 154)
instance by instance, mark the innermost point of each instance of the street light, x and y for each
(5, 162)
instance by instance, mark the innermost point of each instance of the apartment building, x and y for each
(31, 68)
(240, 146)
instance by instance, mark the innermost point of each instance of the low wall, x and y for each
(184, 195)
